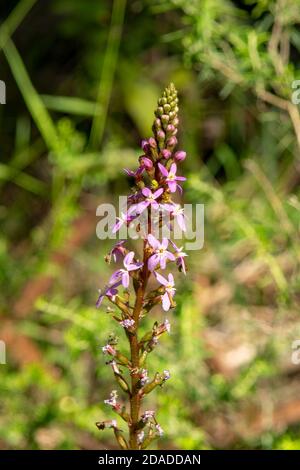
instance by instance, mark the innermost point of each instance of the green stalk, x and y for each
(108, 72)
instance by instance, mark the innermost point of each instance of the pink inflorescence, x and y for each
(156, 181)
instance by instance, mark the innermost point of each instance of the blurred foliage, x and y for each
(82, 80)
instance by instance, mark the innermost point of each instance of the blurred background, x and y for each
(82, 80)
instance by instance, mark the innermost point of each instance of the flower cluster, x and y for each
(156, 181)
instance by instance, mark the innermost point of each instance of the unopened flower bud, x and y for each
(122, 442)
(160, 111)
(152, 143)
(145, 145)
(172, 141)
(157, 123)
(165, 153)
(161, 136)
(180, 156)
(165, 119)
(171, 130)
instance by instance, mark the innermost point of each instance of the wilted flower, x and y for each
(166, 375)
(118, 251)
(114, 367)
(109, 349)
(159, 430)
(140, 437)
(127, 323)
(149, 414)
(144, 376)
(112, 400)
(110, 291)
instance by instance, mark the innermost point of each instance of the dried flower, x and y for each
(166, 375)
(144, 376)
(109, 349)
(159, 430)
(112, 400)
(140, 436)
(127, 323)
(147, 415)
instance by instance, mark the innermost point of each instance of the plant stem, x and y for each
(135, 358)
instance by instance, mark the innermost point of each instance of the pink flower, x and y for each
(126, 218)
(177, 212)
(123, 274)
(150, 199)
(118, 251)
(109, 291)
(145, 162)
(171, 177)
(169, 290)
(161, 254)
(135, 174)
(180, 255)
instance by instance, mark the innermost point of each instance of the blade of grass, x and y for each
(23, 180)
(9, 26)
(108, 72)
(70, 105)
(32, 99)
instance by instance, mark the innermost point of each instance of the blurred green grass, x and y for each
(79, 100)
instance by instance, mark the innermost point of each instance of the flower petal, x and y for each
(161, 279)
(172, 186)
(125, 279)
(153, 262)
(128, 259)
(163, 169)
(164, 243)
(152, 241)
(171, 279)
(173, 168)
(166, 302)
(157, 193)
(146, 192)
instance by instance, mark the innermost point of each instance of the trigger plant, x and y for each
(143, 279)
